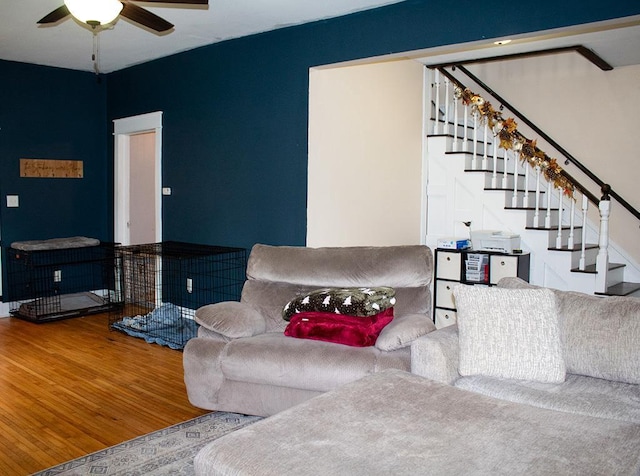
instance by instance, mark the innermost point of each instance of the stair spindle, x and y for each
(547, 218)
(583, 245)
(474, 160)
(560, 213)
(536, 213)
(516, 161)
(602, 260)
(436, 125)
(484, 146)
(505, 175)
(572, 224)
(494, 175)
(525, 197)
(465, 143)
(456, 138)
(447, 85)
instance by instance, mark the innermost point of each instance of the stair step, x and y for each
(503, 189)
(551, 228)
(533, 209)
(621, 289)
(576, 247)
(591, 268)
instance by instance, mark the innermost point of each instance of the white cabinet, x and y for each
(451, 269)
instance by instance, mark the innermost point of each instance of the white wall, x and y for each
(592, 113)
(365, 155)
(364, 140)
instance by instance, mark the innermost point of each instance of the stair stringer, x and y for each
(455, 196)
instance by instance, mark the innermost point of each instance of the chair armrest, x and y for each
(231, 319)
(435, 355)
(402, 331)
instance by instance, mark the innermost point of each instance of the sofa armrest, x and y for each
(402, 331)
(435, 355)
(231, 319)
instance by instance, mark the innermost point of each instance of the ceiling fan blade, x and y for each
(186, 2)
(145, 17)
(55, 16)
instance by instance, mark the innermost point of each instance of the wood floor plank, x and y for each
(73, 387)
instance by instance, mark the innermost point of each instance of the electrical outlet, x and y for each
(57, 276)
(189, 285)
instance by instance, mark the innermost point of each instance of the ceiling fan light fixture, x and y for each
(94, 12)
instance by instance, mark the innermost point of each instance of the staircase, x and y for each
(471, 178)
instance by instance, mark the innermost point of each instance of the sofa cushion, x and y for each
(362, 301)
(394, 266)
(599, 335)
(231, 319)
(356, 331)
(509, 333)
(402, 331)
(269, 299)
(577, 394)
(275, 359)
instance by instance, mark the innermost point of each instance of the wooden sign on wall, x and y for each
(49, 168)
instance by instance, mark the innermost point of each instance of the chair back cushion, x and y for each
(277, 274)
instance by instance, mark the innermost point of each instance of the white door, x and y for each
(138, 179)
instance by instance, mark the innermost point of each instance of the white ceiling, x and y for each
(69, 44)
(617, 42)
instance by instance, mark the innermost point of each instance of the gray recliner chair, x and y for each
(242, 362)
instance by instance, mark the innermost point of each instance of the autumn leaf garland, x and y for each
(506, 130)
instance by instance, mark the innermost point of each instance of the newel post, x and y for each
(602, 260)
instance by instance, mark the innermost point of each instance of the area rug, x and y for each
(169, 451)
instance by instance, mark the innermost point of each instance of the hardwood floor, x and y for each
(73, 387)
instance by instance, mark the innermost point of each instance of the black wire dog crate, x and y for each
(165, 283)
(51, 284)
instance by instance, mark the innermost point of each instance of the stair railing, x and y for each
(515, 160)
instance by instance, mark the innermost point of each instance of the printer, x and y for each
(493, 240)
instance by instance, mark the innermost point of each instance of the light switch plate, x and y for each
(13, 201)
(166, 190)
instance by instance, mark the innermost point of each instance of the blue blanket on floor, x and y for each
(164, 325)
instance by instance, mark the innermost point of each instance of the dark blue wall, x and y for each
(235, 113)
(235, 119)
(52, 113)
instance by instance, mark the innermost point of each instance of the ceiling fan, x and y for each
(97, 13)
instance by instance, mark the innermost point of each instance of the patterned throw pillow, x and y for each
(358, 302)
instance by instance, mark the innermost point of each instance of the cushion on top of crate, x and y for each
(55, 243)
(60, 304)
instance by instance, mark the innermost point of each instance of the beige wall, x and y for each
(365, 155)
(592, 113)
(142, 188)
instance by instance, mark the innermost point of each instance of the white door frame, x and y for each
(122, 131)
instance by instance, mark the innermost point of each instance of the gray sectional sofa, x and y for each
(397, 423)
(600, 349)
(531, 381)
(242, 362)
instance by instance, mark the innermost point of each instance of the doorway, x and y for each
(138, 179)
